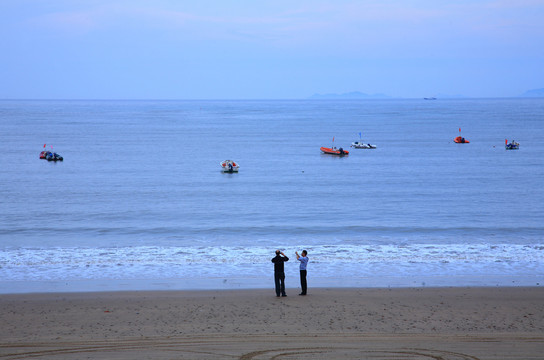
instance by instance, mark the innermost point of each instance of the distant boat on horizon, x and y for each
(430, 98)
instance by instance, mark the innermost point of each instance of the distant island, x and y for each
(350, 95)
(534, 93)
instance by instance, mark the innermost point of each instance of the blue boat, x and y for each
(513, 145)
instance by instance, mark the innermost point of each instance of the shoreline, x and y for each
(246, 283)
(447, 323)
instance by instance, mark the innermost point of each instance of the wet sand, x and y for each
(407, 323)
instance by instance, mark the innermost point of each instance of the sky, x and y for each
(281, 49)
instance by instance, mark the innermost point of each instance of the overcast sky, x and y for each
(220, 49)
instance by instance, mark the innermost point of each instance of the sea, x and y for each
(140, 202)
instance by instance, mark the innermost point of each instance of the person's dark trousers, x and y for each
(279, 279)
(303, 283)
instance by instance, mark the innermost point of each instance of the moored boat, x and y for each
(229, 166)
(361, 145)
(513, 145)
(334, 151)
(460, 139)
(50, 155)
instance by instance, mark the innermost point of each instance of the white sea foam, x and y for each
(149, 262)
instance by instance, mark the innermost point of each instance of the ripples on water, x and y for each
(140, 185)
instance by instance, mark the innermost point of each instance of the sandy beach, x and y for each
(407, 323)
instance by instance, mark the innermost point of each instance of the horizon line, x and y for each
(268, 99)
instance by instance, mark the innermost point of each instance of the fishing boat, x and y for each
(334, 151)
(229, 166)
(50, 155)
(513, 145)
(460, 139)
(361, 145)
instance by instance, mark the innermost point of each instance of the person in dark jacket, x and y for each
(279, 273)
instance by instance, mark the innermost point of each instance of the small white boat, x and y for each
(229, 166)
(361, 145)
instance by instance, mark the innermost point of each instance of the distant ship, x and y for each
(430, 98)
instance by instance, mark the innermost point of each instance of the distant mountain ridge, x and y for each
(534, 93)
(350, 95)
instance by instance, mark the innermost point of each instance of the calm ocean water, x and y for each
(139, 200)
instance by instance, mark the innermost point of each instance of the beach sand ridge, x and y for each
(414, 323)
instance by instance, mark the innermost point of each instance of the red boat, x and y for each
(334, 151)
(461, 140)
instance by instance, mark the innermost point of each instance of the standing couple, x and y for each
(279, 273)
